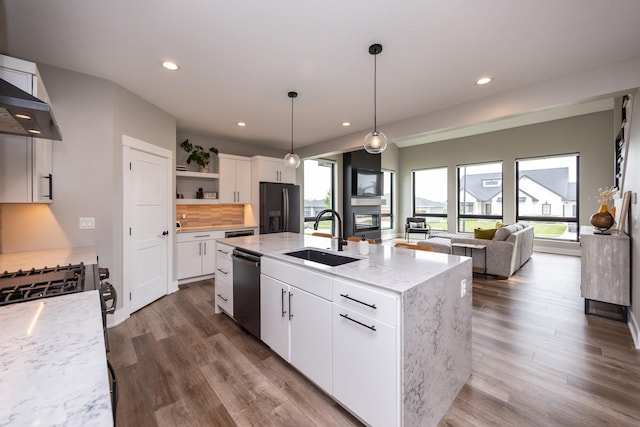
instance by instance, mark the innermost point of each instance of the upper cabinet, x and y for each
(235, 179)
(26, 167)
(269, 169)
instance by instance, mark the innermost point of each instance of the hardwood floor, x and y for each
(537, 361)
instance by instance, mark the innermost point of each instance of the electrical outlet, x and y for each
(463, 288)
(87, 223)
(184, 216)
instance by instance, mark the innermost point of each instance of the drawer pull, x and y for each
(346, 316)
(222, 271)
(223, 252)
(223, 298)
(290, 309)
(358, 301)
(202, 236)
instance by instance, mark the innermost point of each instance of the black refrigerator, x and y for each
(279, 208)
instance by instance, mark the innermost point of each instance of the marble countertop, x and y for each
(395, 269)
(53, 366)
(47, 258)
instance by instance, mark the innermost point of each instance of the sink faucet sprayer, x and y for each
(341, 240)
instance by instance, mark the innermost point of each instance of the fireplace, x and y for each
(365, 222)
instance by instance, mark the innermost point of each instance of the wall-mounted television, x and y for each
(366, 183)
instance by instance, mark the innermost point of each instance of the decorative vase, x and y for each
(204, 169)
(602, 220)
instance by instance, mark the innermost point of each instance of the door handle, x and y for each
(200, 249)
(282, 302)
(165, 233)
(50, 195)
(205, 247)
(290, 311)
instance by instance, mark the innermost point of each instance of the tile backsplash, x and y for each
(209, 215)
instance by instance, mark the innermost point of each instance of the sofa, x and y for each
(509, 248)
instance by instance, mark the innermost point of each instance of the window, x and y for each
(479, 196)
(387, 196)
(319, 193)
(547, 195)
(430, 196)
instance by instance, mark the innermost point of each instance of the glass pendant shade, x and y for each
(375, 142)
(293, 160)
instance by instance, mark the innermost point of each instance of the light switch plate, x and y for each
(87, 223)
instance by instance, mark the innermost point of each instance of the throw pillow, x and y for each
(500, 224)
(502, 234)
(420, 225)
(487, 234)
(413, 225)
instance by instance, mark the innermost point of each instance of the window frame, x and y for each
(390, 202)
(461, 216)
(307, 219)
(575, 219)
(443, 216)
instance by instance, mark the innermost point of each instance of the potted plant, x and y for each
(198, 154)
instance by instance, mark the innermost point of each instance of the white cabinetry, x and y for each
(224, 279)
(269, 169)
(235, 179)
(196, 255)
(366, 361)
(26, 169)
(295, 318)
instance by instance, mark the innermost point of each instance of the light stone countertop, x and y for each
(47, 258)
(395, 269)
(53, 365)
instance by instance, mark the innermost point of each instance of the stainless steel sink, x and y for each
(322, 257)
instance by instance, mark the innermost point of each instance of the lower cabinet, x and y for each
(196, 255)
(365, 366)
(297, 325)
(224, 279)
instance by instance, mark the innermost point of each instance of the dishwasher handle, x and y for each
(246, 257)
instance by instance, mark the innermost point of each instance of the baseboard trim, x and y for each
(634, 329)
(118, 317)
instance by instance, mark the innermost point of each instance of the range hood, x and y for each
(24, 114)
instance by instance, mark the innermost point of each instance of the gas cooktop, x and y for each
(32, 284)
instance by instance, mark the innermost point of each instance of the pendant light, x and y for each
(375, 142)
(292, 159)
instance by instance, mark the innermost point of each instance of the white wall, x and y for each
(589, 135)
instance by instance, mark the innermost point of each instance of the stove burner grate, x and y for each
(41, 283)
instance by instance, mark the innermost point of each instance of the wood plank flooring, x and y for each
(537, 361)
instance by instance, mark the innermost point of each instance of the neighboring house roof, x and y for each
(426, 202)
(555, 180)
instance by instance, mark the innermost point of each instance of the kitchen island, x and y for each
(53, 366)
(387, 335)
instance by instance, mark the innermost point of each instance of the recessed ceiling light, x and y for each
(23, 116)
(241, 124)
(171, 66)
(346, 124)
(484, 80)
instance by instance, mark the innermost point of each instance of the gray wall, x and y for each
(223, 146)
(589, 135)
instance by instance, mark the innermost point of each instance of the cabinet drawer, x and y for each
(224, 251)
(224, 296)
(371, 302)
(310, 281)
(224, 270)
(193, 236)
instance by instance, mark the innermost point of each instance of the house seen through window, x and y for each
(479, 196)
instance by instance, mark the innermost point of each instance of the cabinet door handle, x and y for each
(358, 301)
(205, 247)
(290, 310)
(222, 271)
(346, 316)
(50, 195)
(223, 298)
(282, 303)
(200, 249)
(223, 252)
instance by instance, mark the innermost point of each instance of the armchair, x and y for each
(416, 225)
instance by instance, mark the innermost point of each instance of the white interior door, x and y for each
(147, 201)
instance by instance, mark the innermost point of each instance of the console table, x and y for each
(605, 271)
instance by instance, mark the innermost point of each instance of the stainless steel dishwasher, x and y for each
(246, 290)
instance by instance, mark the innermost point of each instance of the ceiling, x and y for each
(239, 59)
